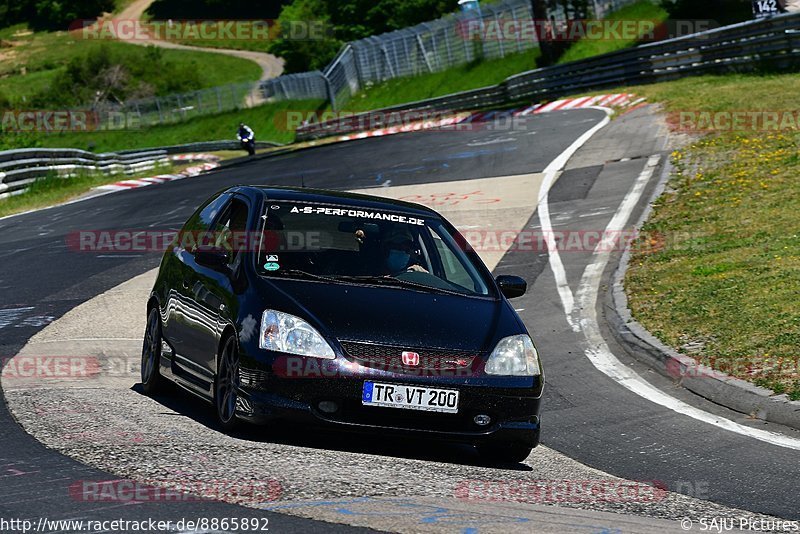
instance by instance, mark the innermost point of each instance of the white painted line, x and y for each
(600, 354)
(543, 209)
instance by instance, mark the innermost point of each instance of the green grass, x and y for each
(267, 121)
(718, 265)
(644, 10)
(463, 78)
(51, 190)
(30, 61)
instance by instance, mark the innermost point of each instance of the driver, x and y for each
(245, 132)
(400, 254)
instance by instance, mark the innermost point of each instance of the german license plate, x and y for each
(410, 397)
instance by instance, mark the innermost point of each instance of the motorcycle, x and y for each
(248, 143)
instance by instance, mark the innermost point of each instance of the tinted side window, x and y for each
(231, 227)
(200, 223)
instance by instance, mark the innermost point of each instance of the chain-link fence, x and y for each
(433, 46)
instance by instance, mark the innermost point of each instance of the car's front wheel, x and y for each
(505, 451)
(152, 381)
(226, 385)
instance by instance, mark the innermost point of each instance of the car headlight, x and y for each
(514, 356)
(282, 332)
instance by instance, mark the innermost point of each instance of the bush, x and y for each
(722, 11)
(216, 9)
(51, 14)
(104, 75)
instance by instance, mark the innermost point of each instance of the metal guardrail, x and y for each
(20, 168)
(772, 43)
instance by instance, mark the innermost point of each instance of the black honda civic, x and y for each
(347, 310)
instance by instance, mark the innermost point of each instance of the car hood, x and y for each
(401, 317)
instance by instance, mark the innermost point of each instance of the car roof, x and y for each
(324, 196)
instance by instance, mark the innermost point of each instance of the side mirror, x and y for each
(213, 258)
(512, 286)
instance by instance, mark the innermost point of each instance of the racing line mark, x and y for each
(585, 318)
(543, 209)
(600, 354)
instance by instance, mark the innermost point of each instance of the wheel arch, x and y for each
(227, 332)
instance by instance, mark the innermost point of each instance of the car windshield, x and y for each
(365, 246)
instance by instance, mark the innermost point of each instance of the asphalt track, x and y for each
(587, 416)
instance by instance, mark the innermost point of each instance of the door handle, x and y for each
(185, 283)
(222, 307)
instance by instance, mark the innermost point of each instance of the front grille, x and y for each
(387, 357)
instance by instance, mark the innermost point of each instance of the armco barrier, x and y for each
(772, 43)
(19, 168)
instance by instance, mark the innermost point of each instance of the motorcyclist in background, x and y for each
(247, 138)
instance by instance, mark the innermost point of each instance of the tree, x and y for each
(722, 11)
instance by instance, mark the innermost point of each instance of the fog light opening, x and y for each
(328, 406)
(482, 420)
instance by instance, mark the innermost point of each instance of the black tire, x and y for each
(152, 381)
(505, 451)
(226, 385)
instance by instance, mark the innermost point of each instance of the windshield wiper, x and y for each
(397, 282)
(297, 273)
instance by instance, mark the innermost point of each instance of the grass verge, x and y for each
(30, 61)
(470, 76)
(53, 189)
(268, 121)
(644, 10)
(716, 273)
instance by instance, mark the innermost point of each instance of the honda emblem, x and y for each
(410, 358)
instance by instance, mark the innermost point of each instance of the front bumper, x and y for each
(512, 404)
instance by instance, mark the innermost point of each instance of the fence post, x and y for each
(329, 90)
(424, 54)
(448, 48)
(407, 54)
(160, 115)
(501, 35)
